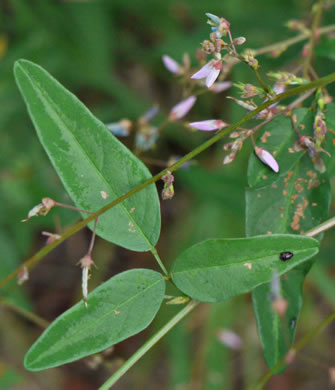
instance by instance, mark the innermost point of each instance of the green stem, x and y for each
(292, 41)
(80, 225)
(265, 88)
(25, 313)
(159, 261)
(324, 226)
(315, 25)
(296, 348)
(148, 345)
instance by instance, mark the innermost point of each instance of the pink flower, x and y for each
(221, 86)
(210, 72)
(267, 158)
(171, 65)
(209, 125)
(182, 108)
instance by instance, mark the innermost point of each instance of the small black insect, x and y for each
(284, 256)
(293, 322)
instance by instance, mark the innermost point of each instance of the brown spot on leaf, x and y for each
(284, 192)
(287, 179)
(259, 195)
(274, 185)
(314, 204)
(299, 213)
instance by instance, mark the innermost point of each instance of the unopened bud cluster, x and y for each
(287, 78)
(249, 58)
(168, 190)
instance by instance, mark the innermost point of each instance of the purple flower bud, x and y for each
(230, 339)
(171, 65)
(121, 128)
(209, 125)
(267, 158)
(210, 72)
(151, 113)
(221, 86)
(182, 108)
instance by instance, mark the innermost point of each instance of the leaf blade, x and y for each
(89, 159)
(294, 202)
(216, 270)
(119, 308)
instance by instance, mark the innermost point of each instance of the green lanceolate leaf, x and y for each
(89, 160)
(296, 200)
(117, 309)
(216, 270)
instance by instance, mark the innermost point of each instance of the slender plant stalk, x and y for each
(292, 41)
(159, 261)
(311, 43)
(261, 82)
(148, 345)
(296, 348)
(25, 313)
(74, 229)
(321, 228)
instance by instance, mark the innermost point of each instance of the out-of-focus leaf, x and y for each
(326, 49)
(89, 159)
(117, 309)
(293, 202)
(9, 378)
(216, 270)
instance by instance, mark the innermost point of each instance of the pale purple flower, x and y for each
(182, 108)
(267, 158)
(209, 125)
(221, 86)
(171, 65)
(210, 72)
(230, 339)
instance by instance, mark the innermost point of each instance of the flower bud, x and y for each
(239, 41)
(182, 108)
(209, 125)
(221, 86)
(86, 263)
(171, 65)
(121, 128)
(230, 339)
(41, 209)
(168, 190)
(267, 158)
(22, 276)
